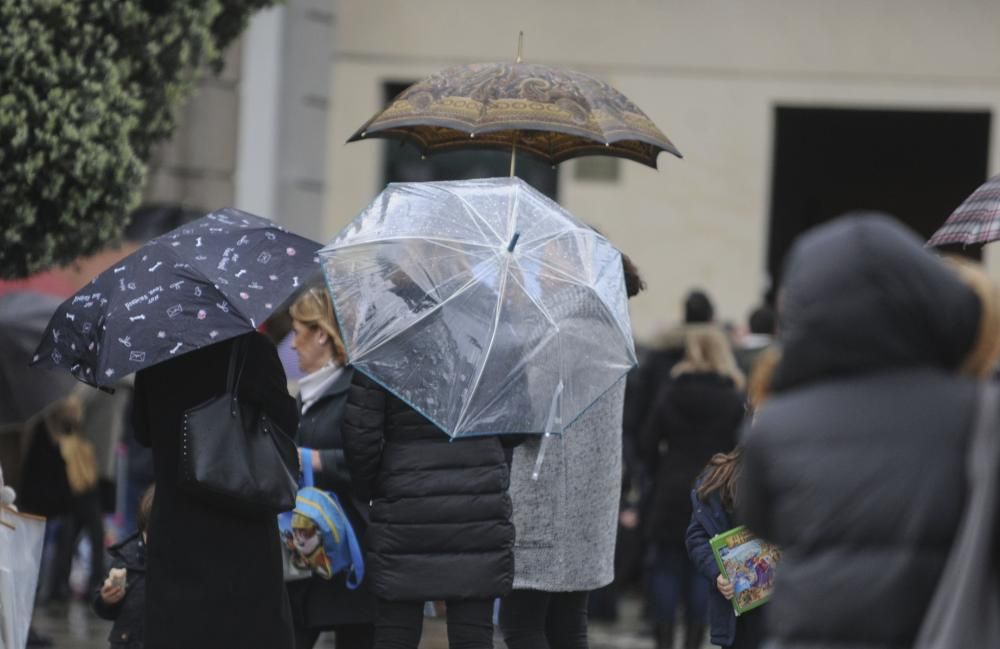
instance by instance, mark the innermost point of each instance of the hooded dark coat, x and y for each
(856, 465)
(440, 517)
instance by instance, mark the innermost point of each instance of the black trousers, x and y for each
(398, 625)
(86, 516)
(348, 636)
(534, 619)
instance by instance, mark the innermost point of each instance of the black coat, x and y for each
(325, 603)
(697, 415)
(856, 465)
(214, 576)
(44, 488)
(128, 614)
(440, 517)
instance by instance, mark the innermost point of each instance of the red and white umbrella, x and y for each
(976, 221)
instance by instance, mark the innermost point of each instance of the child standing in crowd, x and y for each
(122, 598)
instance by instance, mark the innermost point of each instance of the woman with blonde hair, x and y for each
(320, 604)
(696, 415)
(60, 481)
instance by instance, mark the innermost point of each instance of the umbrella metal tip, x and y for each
(472, 135)
(364, 133)
(513, 242)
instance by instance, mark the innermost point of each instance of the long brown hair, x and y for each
(722, 474)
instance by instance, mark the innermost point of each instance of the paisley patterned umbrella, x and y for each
(550, 113)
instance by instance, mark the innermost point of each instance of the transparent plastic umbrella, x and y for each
(483, 304)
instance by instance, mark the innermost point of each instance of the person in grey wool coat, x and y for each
(566, 521)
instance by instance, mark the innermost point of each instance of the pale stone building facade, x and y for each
(711, 74)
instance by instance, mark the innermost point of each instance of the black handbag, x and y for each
(233, 455)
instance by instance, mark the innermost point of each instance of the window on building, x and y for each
(916, 165)
(402, 162)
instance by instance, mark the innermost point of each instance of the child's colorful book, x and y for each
(748, 563)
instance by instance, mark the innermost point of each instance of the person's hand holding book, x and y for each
(725, 586)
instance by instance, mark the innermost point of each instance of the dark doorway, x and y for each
(916, 165)
(404, 164)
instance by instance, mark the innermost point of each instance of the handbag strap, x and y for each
(307, 467)
(237, 356)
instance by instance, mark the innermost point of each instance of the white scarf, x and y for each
(313, 386)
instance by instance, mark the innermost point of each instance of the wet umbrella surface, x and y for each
(483, 304)
(212, 279)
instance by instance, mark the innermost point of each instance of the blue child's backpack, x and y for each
(317, 536)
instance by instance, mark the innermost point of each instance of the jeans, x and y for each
(673, 579)
(534, 619)
(398, 625)
(86, 516)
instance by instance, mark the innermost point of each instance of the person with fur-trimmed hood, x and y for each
(856, 466)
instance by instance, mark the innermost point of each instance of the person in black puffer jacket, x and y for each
(440, 518)
(856, 465)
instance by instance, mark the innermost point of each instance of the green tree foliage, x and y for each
(87, 88)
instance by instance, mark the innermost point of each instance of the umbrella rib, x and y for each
(426, 314)
(568, 280)
(548, 238)
(410, 237)
(475, 215)
(501, 290)
(500, 390)
(538, 304)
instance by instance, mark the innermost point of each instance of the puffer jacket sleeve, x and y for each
(697, 542)
(363, 429)
(335, 471)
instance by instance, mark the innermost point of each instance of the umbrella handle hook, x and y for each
(552, 420)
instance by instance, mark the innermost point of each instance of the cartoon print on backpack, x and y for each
(305, 547)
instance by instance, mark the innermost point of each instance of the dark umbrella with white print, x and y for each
(210, 280)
